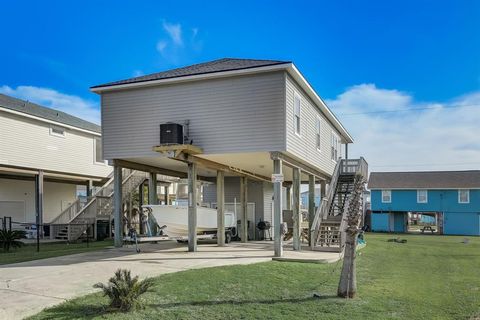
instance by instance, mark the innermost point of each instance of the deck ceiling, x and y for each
(258, 163)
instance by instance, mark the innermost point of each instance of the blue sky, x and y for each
(361, 56)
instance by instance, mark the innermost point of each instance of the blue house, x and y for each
(304, 198)
(452, 198)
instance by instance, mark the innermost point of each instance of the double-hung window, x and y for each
(463, 196)
(317, 134)
(334, 147)
(297, 106)
(98, 151)
(422, 196)
(386, 196)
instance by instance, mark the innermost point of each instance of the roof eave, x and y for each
(202, 76)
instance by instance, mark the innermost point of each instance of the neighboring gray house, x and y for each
(242, 113)
(41, 143)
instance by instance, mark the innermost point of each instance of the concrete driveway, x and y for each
(29, 287)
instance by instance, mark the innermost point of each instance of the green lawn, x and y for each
(29, 252)
(429, 277)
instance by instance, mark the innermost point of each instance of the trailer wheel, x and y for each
(228, 237)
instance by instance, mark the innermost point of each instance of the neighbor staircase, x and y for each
(328, 225)
(74, 221)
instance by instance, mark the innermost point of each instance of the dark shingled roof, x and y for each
(46, 113)
(225, 64)
(425, 180)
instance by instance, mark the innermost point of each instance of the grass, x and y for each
(49, 250)
(429, 277)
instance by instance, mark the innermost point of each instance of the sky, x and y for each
(402, 76)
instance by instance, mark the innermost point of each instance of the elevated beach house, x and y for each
(46, 158)
(452, 198)
(238, 123)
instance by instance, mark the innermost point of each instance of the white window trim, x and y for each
(299, 133)
(318, 131)
(104, 162)
(390, 201)
(468, 196)
(418, 196)
(52, 133)
(336, 144)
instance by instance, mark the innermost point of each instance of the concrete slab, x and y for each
(31, 286)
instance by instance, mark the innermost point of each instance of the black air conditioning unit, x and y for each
(171, 133)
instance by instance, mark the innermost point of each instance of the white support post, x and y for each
(244, 210)
(152, 189)
(297, 220)
(323, 189)
(311, 206)
(277, 210)
(89, 186)
(220, 208)
(192, 207)
(117, 206)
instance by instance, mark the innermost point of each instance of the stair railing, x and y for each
(100, 204)
(323, 209)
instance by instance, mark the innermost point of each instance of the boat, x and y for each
(173, 219)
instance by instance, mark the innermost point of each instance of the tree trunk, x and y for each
(347, 287)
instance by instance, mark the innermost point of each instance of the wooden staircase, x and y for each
(328, 225)
(72, 224)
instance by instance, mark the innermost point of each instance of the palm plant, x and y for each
(10, 239)
(123, 290)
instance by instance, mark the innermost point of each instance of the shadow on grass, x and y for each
(74, 311)
(238, 302)
(91, 311)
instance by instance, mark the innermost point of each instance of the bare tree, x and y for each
(347, 288)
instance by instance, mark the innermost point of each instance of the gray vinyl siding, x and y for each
(304, 146)
(234, 114)
(26, 142)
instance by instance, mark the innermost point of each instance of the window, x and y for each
(317, 134)
(386, 196)
(98, 152)
(57, 131)
(464, 196)
(297, 102)
(334, 147)
(422, 196)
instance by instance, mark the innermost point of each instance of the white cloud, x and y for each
(438, 136)
(161, 46)
(174, 30)
(175, 47)
(74, 105)
(138, 73)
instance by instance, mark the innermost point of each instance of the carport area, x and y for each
(27, 288)
(277, 171)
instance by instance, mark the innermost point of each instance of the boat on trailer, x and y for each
(173, 219)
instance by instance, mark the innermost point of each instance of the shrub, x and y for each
(123, 290)
(10, 239)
